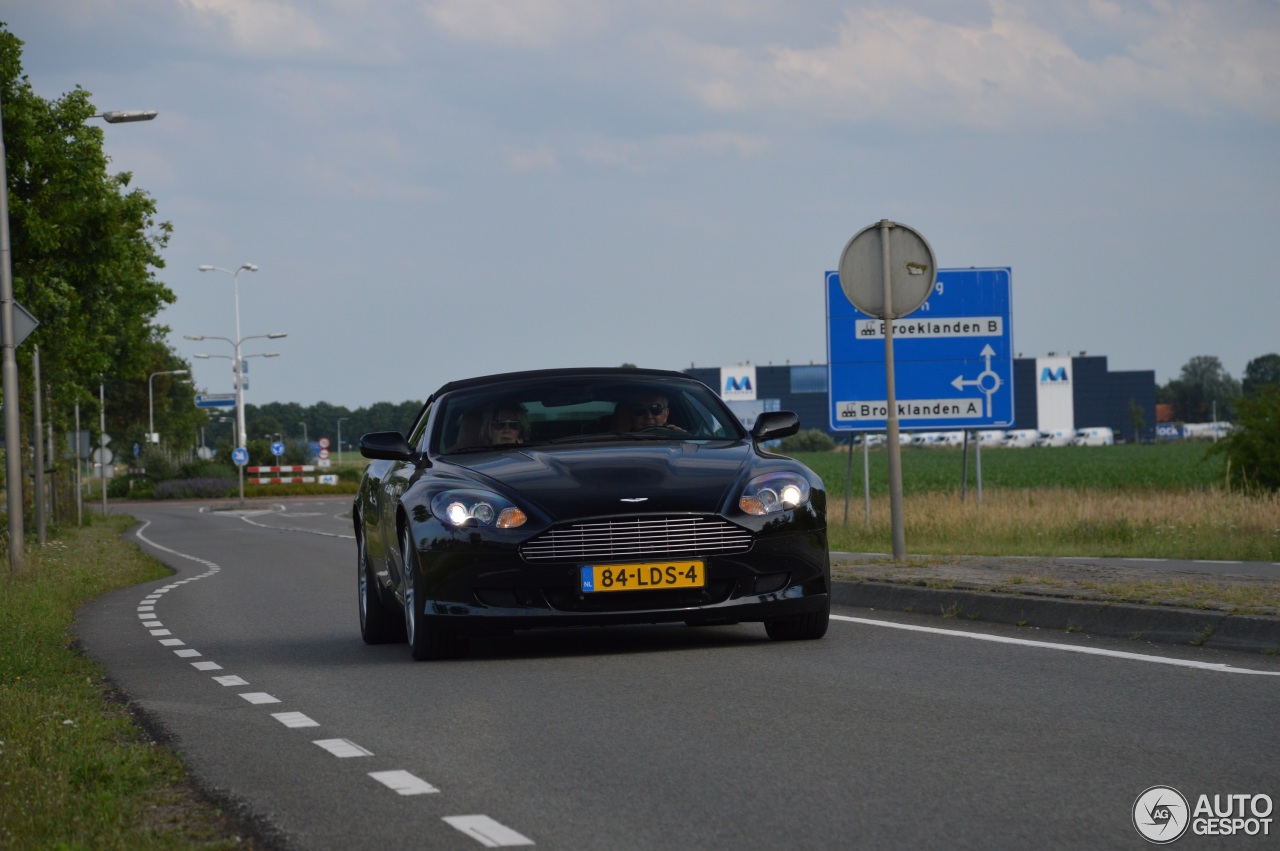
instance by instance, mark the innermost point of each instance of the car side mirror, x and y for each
(386, 446)
(772, 425)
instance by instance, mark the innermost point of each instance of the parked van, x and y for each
(1057, 437)
(993, 437)
(1094, 436)
(1022, 438)
(949, 438)
(1206, 431)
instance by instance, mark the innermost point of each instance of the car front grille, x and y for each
(638, 538)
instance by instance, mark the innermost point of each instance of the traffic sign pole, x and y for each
(895, 448)
(905, 274)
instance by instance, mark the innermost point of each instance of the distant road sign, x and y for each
(240, 456)
(324, 442)
(23, 324)
(216, 400)
(277, 449)
(954, 357)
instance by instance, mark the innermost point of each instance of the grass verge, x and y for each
(1190, 524)
(76, 770)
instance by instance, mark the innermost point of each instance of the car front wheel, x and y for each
(427, 637)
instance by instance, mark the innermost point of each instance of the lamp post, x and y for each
(236, 366)
(340, 419)
(304, 432)
(235, 279)
(152, 437)
(102, 438)
(9, 369)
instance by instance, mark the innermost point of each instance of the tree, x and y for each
(85, 248)
(1137, 420)
(1261, 372)
(1203, 390)
(1253, 447)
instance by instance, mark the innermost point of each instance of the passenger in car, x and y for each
(505, 423)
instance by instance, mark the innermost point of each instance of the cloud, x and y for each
(266, 25)
(522, 23)
(895, 64)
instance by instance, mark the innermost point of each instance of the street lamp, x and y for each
(152, 437)
(123, 116)
(235, 279)
(304, 432)
(340, 419)
(236, 366)
(9, 370)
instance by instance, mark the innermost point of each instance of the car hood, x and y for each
(641, 478)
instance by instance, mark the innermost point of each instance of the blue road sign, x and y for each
(953, 358)
(277, 448)
(240, 456)
(216, 400)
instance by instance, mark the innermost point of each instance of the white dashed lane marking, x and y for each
(482, 828)
(403, 783)
(487, 832)
(342, 747)
(294, 719)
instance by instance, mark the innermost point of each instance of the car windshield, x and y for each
(577, 409)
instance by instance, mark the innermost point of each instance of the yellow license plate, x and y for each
(647, 576)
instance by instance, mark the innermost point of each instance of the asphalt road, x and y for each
(893, 731)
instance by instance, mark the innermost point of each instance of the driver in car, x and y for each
(645, 410)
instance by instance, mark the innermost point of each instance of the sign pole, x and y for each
(895, 450)
(102, 439)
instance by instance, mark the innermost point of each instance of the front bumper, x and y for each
(488, 587)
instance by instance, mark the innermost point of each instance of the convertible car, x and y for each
(585, 497)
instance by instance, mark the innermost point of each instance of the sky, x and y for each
(437, 189)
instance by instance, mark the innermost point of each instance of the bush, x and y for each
(118, 487)
(809, 440)
(1253, 447)
(194, 489)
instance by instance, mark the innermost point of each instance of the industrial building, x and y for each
(1050, 393)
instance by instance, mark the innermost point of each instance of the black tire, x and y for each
(428, 638)
(802, 627)
(377, 625)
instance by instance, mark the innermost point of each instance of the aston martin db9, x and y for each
(585, 497)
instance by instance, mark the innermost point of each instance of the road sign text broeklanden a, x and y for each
(910, 409)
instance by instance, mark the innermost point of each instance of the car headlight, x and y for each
(774, 492)
(476, 508)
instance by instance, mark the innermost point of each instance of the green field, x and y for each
(1161, 466)
(1156, 501)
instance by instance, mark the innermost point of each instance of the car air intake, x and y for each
(641, 538)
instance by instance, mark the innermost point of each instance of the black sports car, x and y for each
(578, 497)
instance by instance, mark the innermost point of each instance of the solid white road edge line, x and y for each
(1070, 648)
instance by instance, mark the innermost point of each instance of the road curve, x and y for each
(893, 731)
